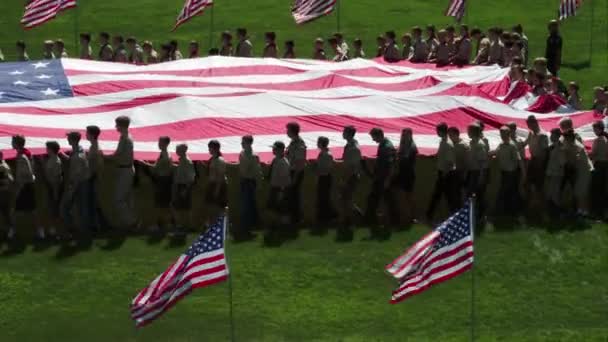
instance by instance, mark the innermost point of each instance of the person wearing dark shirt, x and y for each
(553, 52)
(406, 176)
(381, 179)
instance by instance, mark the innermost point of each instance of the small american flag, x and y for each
(38, 12)
(567, 8)
(440, 255)
(191, 9)
(308, 10)
(203, 264)
(456, 9)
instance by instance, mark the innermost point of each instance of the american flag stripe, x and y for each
(456, 9)
(450, 254)
(222, 98)
(203, 264)
(567, 8)
(38, 12)
(191, 9)
(307, 10)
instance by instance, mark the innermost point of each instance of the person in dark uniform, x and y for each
(95, 157)
(290, 49)
(381, 179)
(280, 180)
(462, 155)
(599, 176)
(351, 174)
(512, 172)
(184, 178)
(553, 51)
(446, 183)
(25, 191)
(161, 173)
(52, 172)
(406, 177)
(250, 172)
(217, 185)
(6, 182)
(538, 143)
(296, 155)
(270, 49)
(106, 52)
(77, 188)
(325, 164)
(477, 177)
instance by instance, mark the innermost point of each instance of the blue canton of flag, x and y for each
(210, 241)
(33, 81)
(455, 228)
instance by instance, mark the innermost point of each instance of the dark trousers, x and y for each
(5, 208)
(476, 185)
(325, 208)
(508, 198)
(599, 197)
(446, 185)
(98, 219)
(378, 194)
(347, 200)
(78, 197)
(295, 196)
(249, 206)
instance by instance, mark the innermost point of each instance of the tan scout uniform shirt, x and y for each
(391, 53)
(325, 162)
(249, 165)
(163, 166)
(538, 143)
(23, 171)
(421, 51)
(79, 167)
(184, 172)
(508, 156)
(124, 151)
(95, 157)
(280, 173)
(445, 156)
(478, 155)
(243, 48)
(352, 158)
(462, 155)
(557, 161)
(53, 171)
(217, 170)
(599, 149)
(296, 154)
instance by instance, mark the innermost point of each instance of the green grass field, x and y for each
(532, 284)
(585, 36)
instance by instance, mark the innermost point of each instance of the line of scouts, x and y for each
(556, 160)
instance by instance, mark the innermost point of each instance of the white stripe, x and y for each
(443, 273)
(169, 276)
(410, 253)
(445, 249)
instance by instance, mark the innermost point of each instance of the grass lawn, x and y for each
(532, 285)
(153, 19)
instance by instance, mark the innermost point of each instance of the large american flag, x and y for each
(203, 264)
(440, 255)
(223, 98)
(567, 8)
(38, 12)
(308, 10)
(191, 9)
(456, 9)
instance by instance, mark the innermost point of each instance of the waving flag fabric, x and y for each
(456, 9)
(308, 10)
(203, 264)
(567, 8)
(223, 98)
(440, 255)
(191, 9)
(38, 12)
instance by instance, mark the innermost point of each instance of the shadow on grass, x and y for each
(114, 241)
(578, 65)
(156, 237)
(69, 249)
(177, 241)
(14, 247)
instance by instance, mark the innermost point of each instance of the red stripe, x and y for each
(239, 71)
(177, 270)
(431, 271)
(431, 259)
(420, 248)
(330, 81)
(431, 283)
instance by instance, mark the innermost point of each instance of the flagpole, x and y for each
(231, 313)
(76, 51)
(338, 14)
(591, 33)
(472, 219)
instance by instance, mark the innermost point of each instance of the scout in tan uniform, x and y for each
(280, 181)
(496, 47)
(462, 161)
(325, 164)
(6, 182)
(583, 170)
(296, 154)
(319, 51)
(227, 49)
(25, 191)
(161, 173)
(380, 46)
(150, 55)
(47, 50)
(270, 49)
(135, 52)
(175, 53)
(77, 187)
(351, 158)
(106, 52)
(445, 184)
(59, 47)
(22, 55)
(555, 174)
(249, 171)
(53, 179)
(421, 49)
(95, 157)
(599, 179)
(463, 47)
(391, 51)
(358, 49)
(441, 56)
(339, 56)
(243, 47)
(290, 49)
(120, 51)
(508, 201)
(217, 185)
(193, 49)
(431, 40)
(482, 47)
(407, 50)
(406, 177)
(124, 206)
(342, 45)
(538, 142)
(86, 52)
(183, 182)
(477, 177)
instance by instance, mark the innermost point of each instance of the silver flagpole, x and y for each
(472, 220)
(231, 313)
